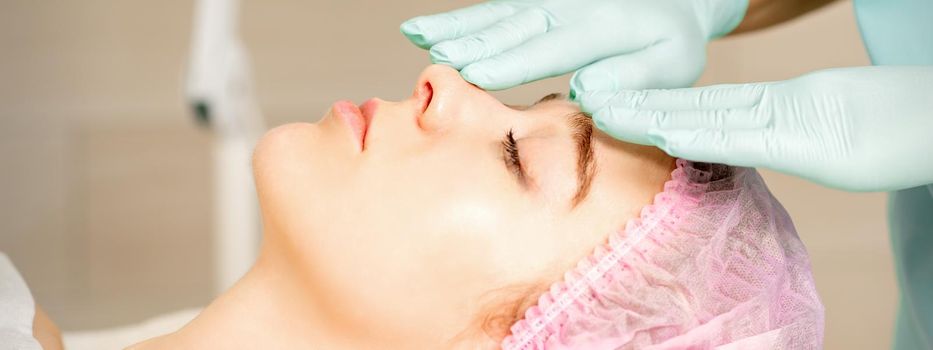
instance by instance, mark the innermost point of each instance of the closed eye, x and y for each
(510, 156)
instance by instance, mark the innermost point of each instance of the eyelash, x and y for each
(510, 155)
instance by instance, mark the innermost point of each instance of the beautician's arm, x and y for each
(766, 13)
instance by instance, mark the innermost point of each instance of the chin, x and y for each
(288, 157)
(283, 144)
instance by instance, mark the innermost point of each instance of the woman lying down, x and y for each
(451, 221)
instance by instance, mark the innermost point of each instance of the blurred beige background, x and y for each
(105, 183)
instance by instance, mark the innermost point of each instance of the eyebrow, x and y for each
(581, 128)
(582, 132)
(549, 97)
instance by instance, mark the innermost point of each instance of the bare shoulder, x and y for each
(45, 331)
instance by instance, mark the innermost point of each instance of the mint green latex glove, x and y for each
(617, 43)
(857, 129)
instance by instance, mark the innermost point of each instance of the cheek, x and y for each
(476, 221)
(455, 199)
(468, 215)
(451, 207)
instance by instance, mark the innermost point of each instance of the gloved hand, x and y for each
(857, 129)
(622, 43)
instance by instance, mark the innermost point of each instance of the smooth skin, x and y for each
(855, 129)
(46, 331)
(412, 242)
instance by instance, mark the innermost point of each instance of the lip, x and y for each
(368, 110)
(356, 118)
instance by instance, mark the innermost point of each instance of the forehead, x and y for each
(627, 168)
(619, 163)
(555, 108)
(554, 99)
(558, 108)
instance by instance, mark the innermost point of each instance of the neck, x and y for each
(269, 308)
(275, 306)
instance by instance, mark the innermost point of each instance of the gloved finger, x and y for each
(738, 148)
(647, 67)
(633, 125)
(499, 37)
(554, 53)
(621, 125)
(731, 96)
(425, 31)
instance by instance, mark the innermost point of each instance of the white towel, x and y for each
(17, 310)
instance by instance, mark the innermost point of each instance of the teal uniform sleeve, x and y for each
(897, 32)
(910, 213)
(900, 32)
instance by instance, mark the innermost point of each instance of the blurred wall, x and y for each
(105, 187)
(104, 202)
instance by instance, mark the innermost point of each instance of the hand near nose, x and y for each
(619, 44)
(857, 129)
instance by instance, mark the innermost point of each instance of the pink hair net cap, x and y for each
(713, 263)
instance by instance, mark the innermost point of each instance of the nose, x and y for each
(442, 96)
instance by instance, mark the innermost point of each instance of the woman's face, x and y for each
(412, 226)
